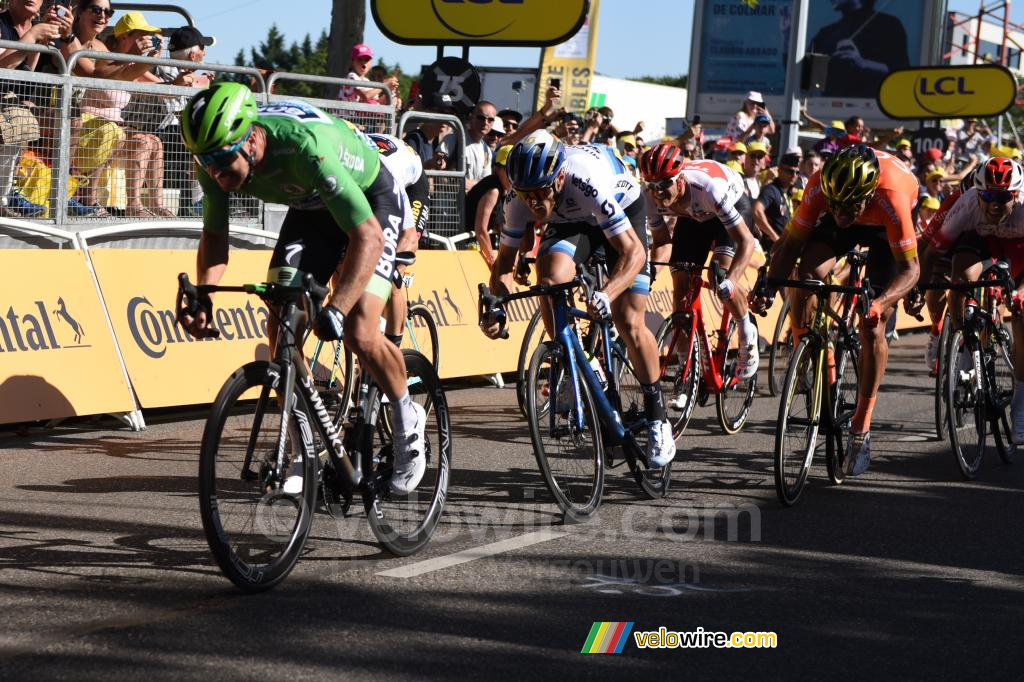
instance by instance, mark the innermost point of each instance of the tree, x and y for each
(672, 81)
(274, 55)
(348, 19)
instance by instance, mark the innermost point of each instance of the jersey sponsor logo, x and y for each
(584, 186)
(299, 111)
(383, 144)
(386, 264)
(329, 185)
(352, 162)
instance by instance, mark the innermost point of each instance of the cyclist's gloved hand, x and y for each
(329, 323)
(726, 288)
(600, 305)
(874, 314)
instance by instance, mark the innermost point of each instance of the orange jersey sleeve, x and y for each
(810, 209)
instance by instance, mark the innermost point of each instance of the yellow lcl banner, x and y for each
(947, 92)
(57, 357)
(572, 62)
(479, 22)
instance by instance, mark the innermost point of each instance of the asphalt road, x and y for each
(906, 571)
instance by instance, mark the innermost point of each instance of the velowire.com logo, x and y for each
(607, 638)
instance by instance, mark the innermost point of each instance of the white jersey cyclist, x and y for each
(401, 159)
(966, 215)
(715, 188)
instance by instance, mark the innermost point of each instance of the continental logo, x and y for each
(153, 329)
(480, 22)
(41, 327)
(947, 91)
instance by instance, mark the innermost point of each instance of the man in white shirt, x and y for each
(478, 154)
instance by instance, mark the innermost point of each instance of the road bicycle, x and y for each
(821, 387)
(263, 422)
(598, 412)
(979, 372)
(691, 370)
(334, 367)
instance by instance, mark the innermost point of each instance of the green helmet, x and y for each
(218, 116)
(851, 175)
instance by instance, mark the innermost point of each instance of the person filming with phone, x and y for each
(742, 123)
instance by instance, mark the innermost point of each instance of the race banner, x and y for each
(572, 63)
(57, 357)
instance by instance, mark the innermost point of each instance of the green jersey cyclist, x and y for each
(345, 215)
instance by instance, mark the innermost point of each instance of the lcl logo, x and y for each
(947, 85)
(448, 22)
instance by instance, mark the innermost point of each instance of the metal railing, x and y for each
(447, 187)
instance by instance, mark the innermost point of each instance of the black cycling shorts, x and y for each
(312, 241)
(419, 201)
(693, 239)
(881, 265)
(580, 241)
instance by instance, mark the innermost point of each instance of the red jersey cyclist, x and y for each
(860, 197)
(987, 221)
(708, 202)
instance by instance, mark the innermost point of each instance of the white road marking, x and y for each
(474, 553)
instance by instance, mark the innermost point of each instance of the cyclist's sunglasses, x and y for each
(536, 195)
(997, 196)
(222, 158)
(661, 186)
(846, 209)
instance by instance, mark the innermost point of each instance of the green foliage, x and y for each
(672, 81)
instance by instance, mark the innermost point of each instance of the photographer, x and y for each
(742, 123)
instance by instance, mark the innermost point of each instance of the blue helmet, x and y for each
(535, 162)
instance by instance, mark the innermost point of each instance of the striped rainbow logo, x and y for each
(607, 638)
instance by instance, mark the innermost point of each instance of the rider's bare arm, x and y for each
(631, 260)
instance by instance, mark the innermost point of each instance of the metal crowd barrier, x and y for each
(66, 161)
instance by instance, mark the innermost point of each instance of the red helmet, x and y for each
(999, 173)
(661, 162)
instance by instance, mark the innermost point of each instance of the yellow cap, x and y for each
(738, 147)
(501, 156)
(838, 125)
(735, 165)
(798, 195)
(627, 139)
(903, 142)
(937, 173)
(756, 147)
(930, 202)
(133, 21)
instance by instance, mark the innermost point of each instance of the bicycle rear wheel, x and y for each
(422, 336)
(737, 395)
(967, 418)
(534, 336)
(678, 382)
(256, 532)
(941, 377)
(333, 368)
(781, 351)
(844, 402)
(653, 482)
(796, 435)
(570, 458)
(404, 523)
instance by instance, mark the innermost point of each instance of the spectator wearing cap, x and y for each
(904, 153)
(742, 121)
(759, 133)
(737, 156)
(929, 161)
(926, 209)
(360, 59)
(755, 162)
(494, 135)
(484, 218)
(570, 128)
(510, 120)
(830, 145)
(935, 184)
(186, 44)
(478, 154)
(773, 208)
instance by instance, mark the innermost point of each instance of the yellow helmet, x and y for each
(851, 175)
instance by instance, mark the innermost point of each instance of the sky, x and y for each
(661, 27)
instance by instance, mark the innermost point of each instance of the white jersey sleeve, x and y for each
(401, 160)
(714, 190)
(966, 216)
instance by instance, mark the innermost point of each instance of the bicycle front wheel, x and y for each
(967, 417)
(781, 351)
(567, 445)
(333, 368)
(534, 336)
(680, 372)
(844, 402)
(422, 334)
(404, 523)
(796, 435)
(941, 377)
(1002, 383)
(255, 530)
(737, 394)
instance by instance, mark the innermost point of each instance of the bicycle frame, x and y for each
(712, 376)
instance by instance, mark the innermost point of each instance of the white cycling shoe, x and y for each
(293, 483)
(661, 446)
(410, 456)
(749, 359)
(679, 402)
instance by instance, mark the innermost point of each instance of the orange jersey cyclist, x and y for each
(860, 197)
(708, 202)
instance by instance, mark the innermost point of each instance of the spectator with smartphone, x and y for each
(742, 122)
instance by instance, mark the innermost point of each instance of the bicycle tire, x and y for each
(404, 524)
(800, 382)
(670, 368)
(845, 391)
(781, 351)
(229, 431)
(577, 493)
(941, 377)
(531, 340)
(1003, 386)
(335, 382)
(653, 482)
(734, 400)
(416, 342)
(967, 419)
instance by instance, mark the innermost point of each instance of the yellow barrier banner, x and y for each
(57, 357)
(167, 366)
(572, 62)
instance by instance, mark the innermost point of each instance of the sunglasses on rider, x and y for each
(101, 11)
(222, 158)
(661, 186)
(535, 196)
(845, 209)
(997, 196)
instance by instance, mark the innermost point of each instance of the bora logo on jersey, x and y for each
(479, 22)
